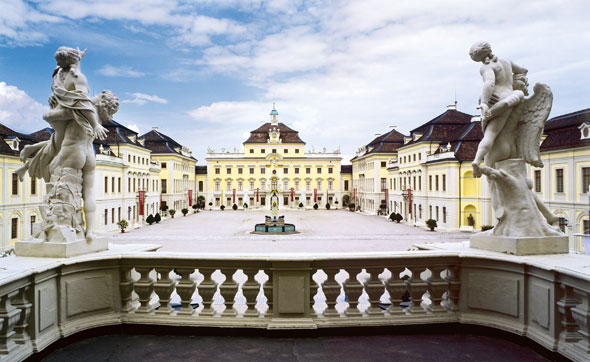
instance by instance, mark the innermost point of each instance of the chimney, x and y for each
(155, 129)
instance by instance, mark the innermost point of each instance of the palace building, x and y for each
(274, 157)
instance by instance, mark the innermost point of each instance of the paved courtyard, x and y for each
(320, 231)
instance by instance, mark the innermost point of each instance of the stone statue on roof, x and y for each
(67, 160)
(512, 126)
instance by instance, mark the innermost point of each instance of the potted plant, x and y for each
(392, 216)
(195, 206)
(315, 206)
(201, 202)
(345, 200)
(327, 206)
(351, 206)
(164, 208)
(150, 219)
(222, 207)
(486, 227)
(157, 218)
(184, 211)
(431, 223)
(301, 205)
(210, 204)
(398, 217)
(234, 207)
(172, 212)
(123, 224)
(245, 206)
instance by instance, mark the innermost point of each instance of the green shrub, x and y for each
(123, 224)
(184, 211)
(235, 207)
(222, 207)
(157, 218)
(172, 212)
(195, 206)
(245, 206)
(301, 204)
(486, 227)
(315, 206)
(210, 203)
(150, 219)
(431, 223)
(328, 206)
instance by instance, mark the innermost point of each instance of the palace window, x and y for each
(308, 185)
(113, 184)
(262, 184)
(262, 150)
(33, 220)
(383, 163)
(106, 216)
(251, 171)
(164, 186)
(228, 170)
(119, 185)
(297, 170)
(113, 215)
(383, 184)
(444, 182)
(420, 183)
(106, 184)
(240, 186)
(308, 170)
(228, 185)
(585, 179)
(436, 213)
(297, 185)
(217, 186)
(559, 179)
(286, 150)
(285, 170)
(420, 211)
(251, 150)
(537, 180)
(586, 226)
(274, 150)
(330, 170)
(217, 170)
(319, 170)
(414, 182)
(444, 215)
(345, 185)
(33, 186)
(430, 184)
(240, 171)
(251, 185)
(262, 170)
(200, 186)
(286, 184)
(14, 228)
(436, 182)
(297, 150)
(14, 184)
(319, 185)
(330, 185)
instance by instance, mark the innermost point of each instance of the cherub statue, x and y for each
(511, 122)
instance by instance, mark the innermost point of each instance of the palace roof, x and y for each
(261, 134)
(385, 143)
(564, 132)
(161, 143)
(8, 134)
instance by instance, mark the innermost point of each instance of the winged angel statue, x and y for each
(512, 125)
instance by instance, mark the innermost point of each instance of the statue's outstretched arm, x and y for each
(517, 69)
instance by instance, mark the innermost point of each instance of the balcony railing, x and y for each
(52, 299)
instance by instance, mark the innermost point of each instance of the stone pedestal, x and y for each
(46, 249)
(521, 245)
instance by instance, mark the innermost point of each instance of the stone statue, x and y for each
(67, 161)
(470, 220)
(512, 125)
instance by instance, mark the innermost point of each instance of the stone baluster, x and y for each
(353, 289)
(21, 301)
(9, 317)
(374, 288)
(267, 289)
(331, 290)
(144, 288)
(569, 332)
(250, 289)
(185, 289)
(581, 314)
(313, 290)
(164, 288)
(396, 287)
(228, 291)
(207, 290)
(417, 287)
(451, 304)
(436, 287)
(126, 289)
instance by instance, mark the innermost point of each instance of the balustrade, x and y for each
(313, 292)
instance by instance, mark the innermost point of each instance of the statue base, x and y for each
(46, 249)
(521, 245)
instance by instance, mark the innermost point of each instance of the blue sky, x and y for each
(207, 71)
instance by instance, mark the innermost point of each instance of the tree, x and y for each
(157, 218)
(150, 219)
(235, 207)
(195, 206)
(431, 223)
(327, 206)
(245, 206)
(315, 206)
(123, 224)
(172, 212)
(301, 204)
(222, 207)
(184, 211)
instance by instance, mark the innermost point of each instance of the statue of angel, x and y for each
(512, 123)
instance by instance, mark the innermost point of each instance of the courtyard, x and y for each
(320, 231)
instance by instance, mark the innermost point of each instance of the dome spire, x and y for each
(274, 113)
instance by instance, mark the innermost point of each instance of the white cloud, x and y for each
(133, 127)
(121, 71)
(142, 98)
(19, 111)
(16, 19)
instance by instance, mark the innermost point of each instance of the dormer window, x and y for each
(416, 136)
(584, 131)
(13, 142)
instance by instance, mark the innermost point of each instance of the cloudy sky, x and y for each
(207, 71)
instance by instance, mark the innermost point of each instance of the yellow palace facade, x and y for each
(273, 158)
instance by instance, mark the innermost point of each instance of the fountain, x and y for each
(274, 224)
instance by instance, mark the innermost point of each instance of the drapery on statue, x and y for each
(512, 126)
(66, 161)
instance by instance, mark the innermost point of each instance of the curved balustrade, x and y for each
(545, 299)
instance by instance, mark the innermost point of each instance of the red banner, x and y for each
(257, 194)
(190, 197)
(141, 202)
(292, 191)
(354, 198)
(387, 196)
(234, 197)
(410, 200)
(315, 195)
